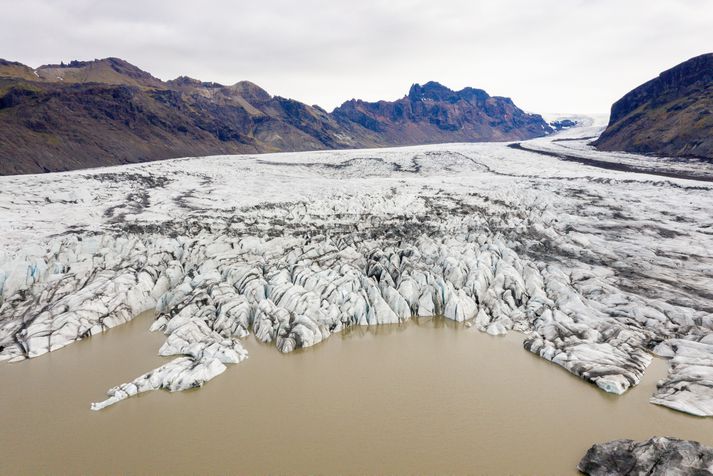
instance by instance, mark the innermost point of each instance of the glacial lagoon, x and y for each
(428, 396)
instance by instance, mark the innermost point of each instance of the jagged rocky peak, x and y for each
(116, 63)
(432, 113)
(670, 115)
(186, 82)
(430, 90)
(106, 71)
(437, 92)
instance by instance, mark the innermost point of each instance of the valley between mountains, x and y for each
(109, 112)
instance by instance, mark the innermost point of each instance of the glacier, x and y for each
(601, 266)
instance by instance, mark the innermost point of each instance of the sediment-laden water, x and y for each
(429, 396)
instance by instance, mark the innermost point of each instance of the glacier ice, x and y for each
(599, 269)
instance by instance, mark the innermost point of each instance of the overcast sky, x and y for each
(548, 55)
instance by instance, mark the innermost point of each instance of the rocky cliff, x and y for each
(671, 115)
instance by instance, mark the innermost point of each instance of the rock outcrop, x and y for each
(671, 115)
(658, 456)
(109, 112)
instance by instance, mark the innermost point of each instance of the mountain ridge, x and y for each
(108, 112)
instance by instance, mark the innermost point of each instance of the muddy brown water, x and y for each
(425, 397)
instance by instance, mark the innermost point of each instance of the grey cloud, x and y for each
(561, 55)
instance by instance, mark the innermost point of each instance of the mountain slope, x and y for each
(671, 115)
(107, 112)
